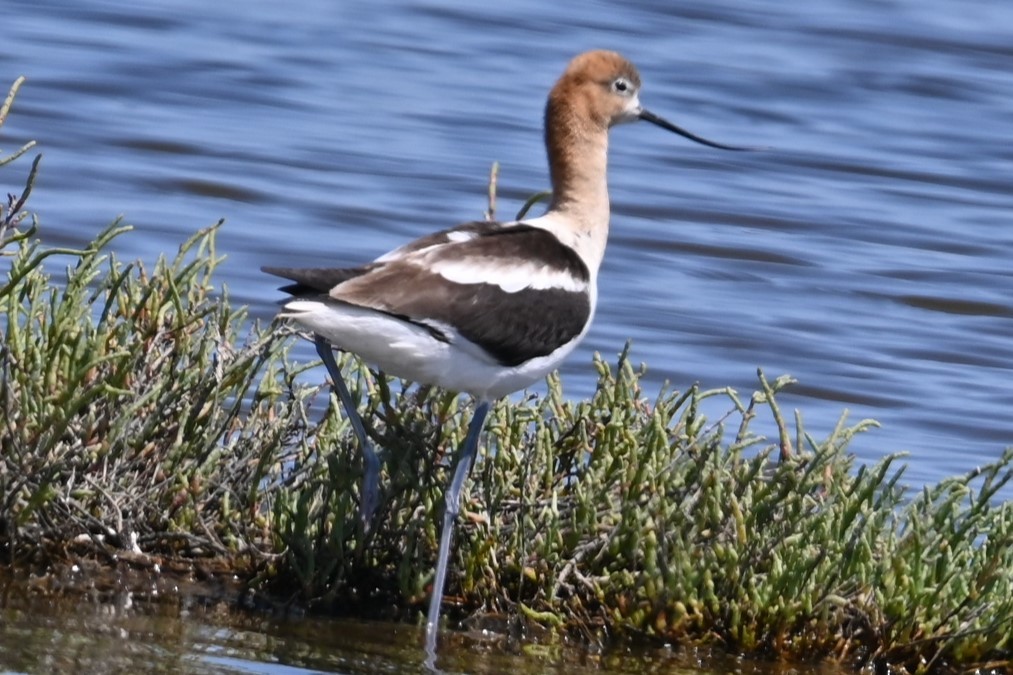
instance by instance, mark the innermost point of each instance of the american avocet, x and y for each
(484, 308)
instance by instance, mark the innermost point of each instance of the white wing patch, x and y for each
(512, 278)
(451, 237)
(459, 236)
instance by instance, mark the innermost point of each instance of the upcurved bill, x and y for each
(648, 116)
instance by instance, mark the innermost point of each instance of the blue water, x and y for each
(868, 253)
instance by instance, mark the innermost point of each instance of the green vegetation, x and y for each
(146, 419)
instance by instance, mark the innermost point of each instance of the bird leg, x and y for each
(370, 493)
(465, 460)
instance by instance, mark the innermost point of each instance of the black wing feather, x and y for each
(513, 327)
(311, 282)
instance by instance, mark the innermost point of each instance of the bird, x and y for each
(484, 308)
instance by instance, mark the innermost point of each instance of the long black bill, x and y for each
(648, 116)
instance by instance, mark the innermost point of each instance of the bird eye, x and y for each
(622, 85)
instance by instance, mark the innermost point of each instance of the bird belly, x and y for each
(414, 352)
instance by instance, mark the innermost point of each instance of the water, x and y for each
(867, 254)
(200, 636)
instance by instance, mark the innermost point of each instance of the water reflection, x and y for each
(201, 634)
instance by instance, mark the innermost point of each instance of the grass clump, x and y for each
(120, 386)
(132, 418)
(620, 515)
(144, 418)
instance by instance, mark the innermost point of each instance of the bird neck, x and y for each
(578, 161)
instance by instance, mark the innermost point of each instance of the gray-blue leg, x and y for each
(370, 461)
(453, 498)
